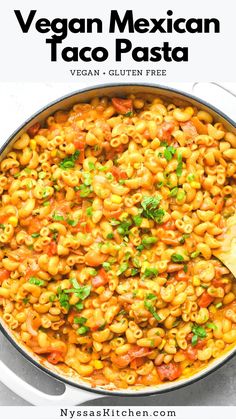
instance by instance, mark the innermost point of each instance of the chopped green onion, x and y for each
(93, 272)
(42, 175)
(110, 236)
(123, 267)
(58, 217)
(106, 266)
(169, 152)
(91, 165)
(179, 168)
(84, 191)
(25, 300)
(211, 326)
(190, 177)
(148, 241)
(183, 238)
(151, 296)
(174, 191)
(134, 271)
(176, 257)
(180, 195)
(149, 272)
(89, 211)
(69, 162)
(83, 330)
(80, 320)
(72, 223)
(79, 306)
(137, 220)
(36, 281)
(35, 235)
(194, 254)
(185, 268)
(194, 340)
(129, 114)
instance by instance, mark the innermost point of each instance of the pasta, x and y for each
(109, 216)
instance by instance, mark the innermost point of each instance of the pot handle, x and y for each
(71, 396)
(219, 95)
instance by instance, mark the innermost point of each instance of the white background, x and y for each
(26, 57)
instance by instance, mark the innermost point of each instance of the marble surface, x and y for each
(18, 101)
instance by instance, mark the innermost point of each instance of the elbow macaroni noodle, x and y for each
(109, 216)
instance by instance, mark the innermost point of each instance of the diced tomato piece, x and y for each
(148, 380)
(4, 274)
(137, 352)
(169, 225)
(217, 283)
(200, 344)
(118, 173)
(137, 362)
(54, 357)
(169, 371)
(52, 249)
(33, 130)
(3, 218)
(165, 130)
(30, 272)
(189, 128)
(79, 144)
(122, 106)
(205, 300)
(112, 214)
(121, 361)
(98, 281)
(34, 225)
(191, 353)
(103, 274)
(182, 276)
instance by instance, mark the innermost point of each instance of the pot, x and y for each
(78, 390)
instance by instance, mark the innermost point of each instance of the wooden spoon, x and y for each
(227, 252)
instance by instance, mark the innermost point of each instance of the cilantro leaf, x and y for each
(169, 152)
(148, 305)
(151, 208)
(81, 292)
(199, 331)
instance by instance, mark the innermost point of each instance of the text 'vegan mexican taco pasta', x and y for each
(109, 215)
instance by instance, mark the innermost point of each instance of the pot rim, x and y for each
(131, 393)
